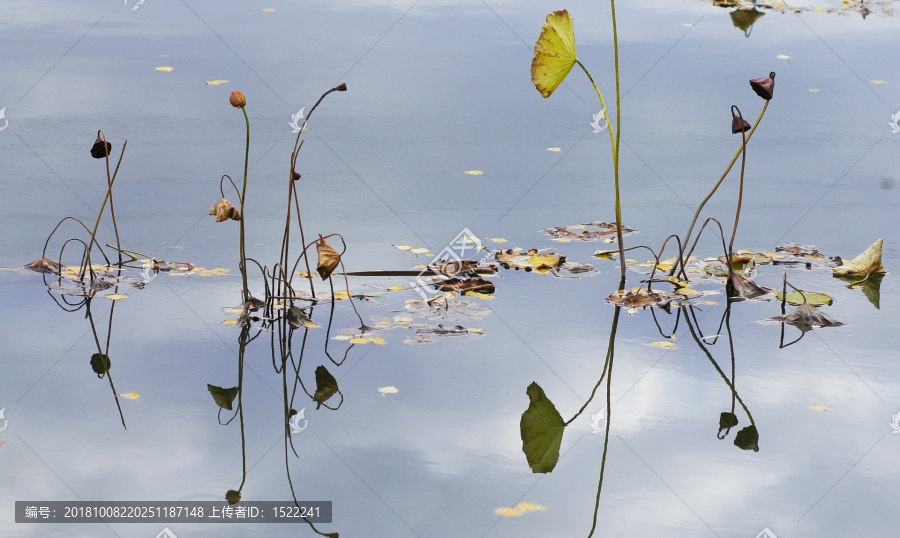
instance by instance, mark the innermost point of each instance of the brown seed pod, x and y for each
(738, 123)
(764, 87)
(237, 99)
(100, 149)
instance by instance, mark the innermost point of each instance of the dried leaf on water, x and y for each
(116, 296)
(44, 265)
(870, 286)
(224, 210)
(589, 231)
(743, 287)
(474, 172)
(326, 386)
(388, 390)
(554, 52)
(796, 298)
(804, 255)
(664, 345)
(328, 258)
(462, 285)
(806, 317)
(224, 398)
(164, 68)
(542, 430)
(519, 509)
(819, 407)
(867, 263)
(215, 82)
(130, 396)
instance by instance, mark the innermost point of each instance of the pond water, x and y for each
(426, 441)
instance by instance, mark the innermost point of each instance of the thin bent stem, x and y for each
(100, 213)
(612, 5)
(112, 208)
(740, 150)
(737, 216)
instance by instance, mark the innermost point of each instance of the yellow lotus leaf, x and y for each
(867, 263)
(269, 9)
(554, 53)
(215, 82)
(519, 509)
(482, 296)
(878, 81)
(395, 288)
(230, 322)
(561, 239)
(304, 274)
(116, 296)
(224, 210)
(664, 345)
(421, 250)
(474, 172)
(328, 258)
(687, 291)
(164, 68)
(342, 337)
(311, 325)
(388, 390)
(475, 330)
(819, 407)
(359, 340)
(130, 395)
(554, 149)
(498, 240)
(376, 340)
(544, 261)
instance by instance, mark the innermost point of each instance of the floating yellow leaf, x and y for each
(819, 407)
(664, 345)
(554, 149)
(164, 68)
(224, 210)
(710, 303)
(519, 509)
(562, 239)
(116, 296)
(474, 172)
(813, 90)
(784, 57)
(475, 330)
(867, 263)
(482, 296)
(687, 291)
(395, 288)
(498, 240)
(130, 396)
(215, 82)
(878, 81)
(375, 340)
(311, 325)
(421, 250)
(304, 274)
(388, 390)
(342, 337)
(230, 322)
(816, 299)
(359, 340)
(554, 53)
(269, 9)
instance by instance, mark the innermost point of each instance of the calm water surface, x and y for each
(438, 88)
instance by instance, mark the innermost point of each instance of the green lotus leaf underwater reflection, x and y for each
(224, 397)
(806, 317)
(796, 298)
(100, 364)
(747, 439)
(326, 386)
(870, 286)
(542, 430)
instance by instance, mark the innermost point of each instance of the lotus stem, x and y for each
(100, 213)
(737, 215)
(612, 5)
(740, 150)
(243, 253)
(112, 209)
(614, 144)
